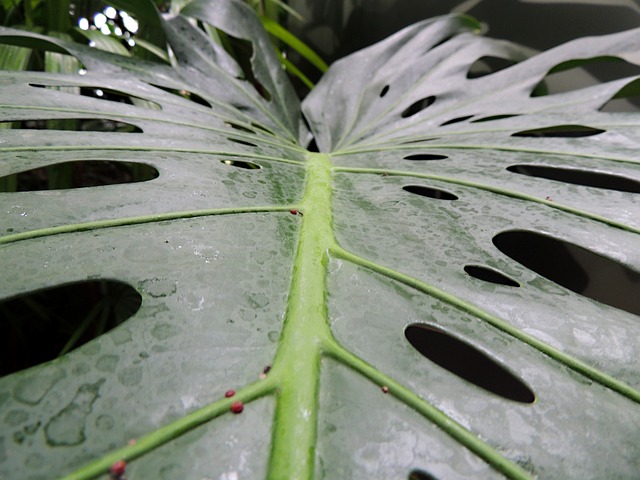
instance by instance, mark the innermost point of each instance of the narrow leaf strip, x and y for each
(571, 362)
(118, 222)
(172, 431)
(498, 190)
(450, 426)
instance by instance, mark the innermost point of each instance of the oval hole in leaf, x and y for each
(582, 73)
(560, 131)
(456, 120)
(487, 65)
(239, 127)
(420, 140)
(241, 164)
(242, 142)
(103, 125)
(494, 117)
(28, 53)
(467, 362)
(42, 325)
(430, 192)
(418, 106)
(260, 127)
(575, 268)
(489, 275)
(425, 156)
(421, 475)
(79, 174)
(243, 52)
(384, 90)
(627, 99)
(579, 177)
(184, 94)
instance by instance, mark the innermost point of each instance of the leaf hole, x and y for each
(42, 325)
(418, 106)
(242, 51)
(430, 192)
(627, 99)
(456, 120)
(560, 131)
(579, 177)
(425, 156)
(494, 117)
(260, 127)
(421, 475)
(241, 142)
(184, 94)
(77, 174)
(103, 125)
(239, 127)
(583, 73)
(241, 164)
(488, 65)
(489, 275)
(384, 91)
(467, 362)
(30, 54)
(573, 267)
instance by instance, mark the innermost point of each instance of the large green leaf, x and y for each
(335, 296)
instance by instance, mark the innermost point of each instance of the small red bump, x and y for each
(385, 389)
(237, 407)
(229, 393)
(118, 468)
(293, 212)
(549, 199)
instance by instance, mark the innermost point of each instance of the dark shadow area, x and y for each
(467, 362)
(575, 268)
(39, 326)
(560, 131)
(489, 275)
(430, 192)
(77, 174)
(579, 177)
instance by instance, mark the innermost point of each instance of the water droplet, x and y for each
(249, 194)
(163, 331)
(273, 335)
(67, 426)
(107, 363)
(35, 460)
(258, 300)
(104, 422)
(130, 376)
(121, 336)
(32, 389)
(158, 287)
(16, 417)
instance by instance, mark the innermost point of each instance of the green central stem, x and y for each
(304, 333)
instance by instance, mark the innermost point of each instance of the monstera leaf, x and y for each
(446, 287)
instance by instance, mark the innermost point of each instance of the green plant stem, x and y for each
(169, 432)
(118, 222)
(304, 332)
